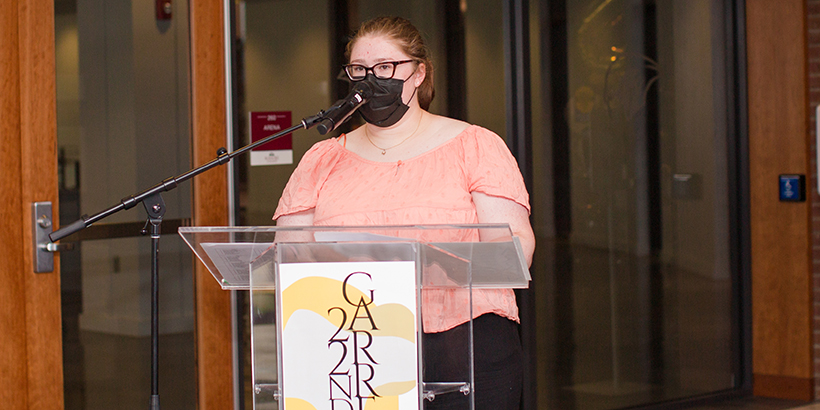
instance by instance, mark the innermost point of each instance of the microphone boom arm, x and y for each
(223, 157)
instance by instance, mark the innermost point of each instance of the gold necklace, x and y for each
(384, 150)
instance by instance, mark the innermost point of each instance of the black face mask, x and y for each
(385, 107)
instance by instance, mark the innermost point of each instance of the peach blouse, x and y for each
(432, 188)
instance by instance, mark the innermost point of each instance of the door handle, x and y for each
(42, 225)
(57, 247)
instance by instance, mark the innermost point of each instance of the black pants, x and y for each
(498, 367)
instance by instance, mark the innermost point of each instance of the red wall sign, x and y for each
(267, 123)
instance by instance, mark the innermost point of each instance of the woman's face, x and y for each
(373, 49)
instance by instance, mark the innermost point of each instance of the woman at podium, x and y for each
(408, 166)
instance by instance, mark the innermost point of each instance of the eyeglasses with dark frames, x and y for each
(384, 70)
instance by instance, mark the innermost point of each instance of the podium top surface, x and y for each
(491, 256)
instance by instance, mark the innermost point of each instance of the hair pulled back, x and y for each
(408, 39)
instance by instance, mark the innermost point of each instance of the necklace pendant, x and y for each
(384, 152)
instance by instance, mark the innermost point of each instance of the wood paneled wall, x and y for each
(781, 258)
(30, 323)
(210, 207)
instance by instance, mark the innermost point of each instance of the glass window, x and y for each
(283, 68)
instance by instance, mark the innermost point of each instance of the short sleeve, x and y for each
(302, 190)
(492, 169)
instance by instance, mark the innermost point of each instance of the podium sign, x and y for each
(349, 335)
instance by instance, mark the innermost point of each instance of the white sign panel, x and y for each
(349, 336)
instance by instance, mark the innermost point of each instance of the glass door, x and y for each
(632, 133)
(122, 109)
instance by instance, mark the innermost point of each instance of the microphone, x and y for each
(340, 111)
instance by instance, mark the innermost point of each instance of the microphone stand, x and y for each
(155, 208)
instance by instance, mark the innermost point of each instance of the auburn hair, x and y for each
(408, 38)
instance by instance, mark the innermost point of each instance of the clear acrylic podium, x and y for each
(338, 313)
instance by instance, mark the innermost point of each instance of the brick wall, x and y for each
(813, 43)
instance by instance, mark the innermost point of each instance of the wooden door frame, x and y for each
(214, 338)
(30, 313)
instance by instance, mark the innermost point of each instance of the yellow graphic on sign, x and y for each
(316, 294)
